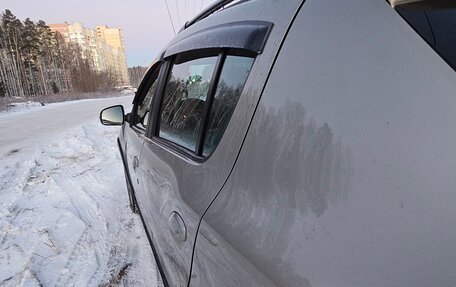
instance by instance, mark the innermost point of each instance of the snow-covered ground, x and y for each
(64, 215)
(21, 106)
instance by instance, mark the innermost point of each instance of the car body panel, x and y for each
(346, 176)
(172, 190)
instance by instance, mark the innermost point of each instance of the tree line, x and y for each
(36, 61)
(136, 75)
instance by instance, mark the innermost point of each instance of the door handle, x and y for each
(177, 227)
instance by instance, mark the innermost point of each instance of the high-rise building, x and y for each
(62, 29)
(114, 38)
(103, 48)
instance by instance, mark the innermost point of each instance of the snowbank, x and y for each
(17, 107)
(64, 216)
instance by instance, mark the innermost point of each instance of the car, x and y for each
(299, 143)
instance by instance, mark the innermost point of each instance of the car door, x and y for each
(134, 133)
(209, 88)
(176, 174)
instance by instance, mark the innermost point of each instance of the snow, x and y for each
(128, 91)
(64, 215)
(18, 107)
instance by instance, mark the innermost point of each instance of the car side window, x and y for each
(199, 98)
(141, 118)
(184, 98)
(232, 79)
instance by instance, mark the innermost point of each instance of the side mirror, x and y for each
(112, 116)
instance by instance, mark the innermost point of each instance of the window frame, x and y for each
(143, 90)
(155, 111)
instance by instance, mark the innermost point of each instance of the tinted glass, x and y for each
(435, 21)
(142, 113)
(184, 99)
(232, 79)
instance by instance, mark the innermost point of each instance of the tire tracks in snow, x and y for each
(86, 206)
(88, 212)
(68, 211)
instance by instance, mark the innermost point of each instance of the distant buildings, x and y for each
(114, 38)
(103, 48)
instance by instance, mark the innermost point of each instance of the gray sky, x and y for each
(146, 23)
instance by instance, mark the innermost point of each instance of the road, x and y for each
(22, 130)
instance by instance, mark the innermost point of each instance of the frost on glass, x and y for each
(232, 80)
(184, 100)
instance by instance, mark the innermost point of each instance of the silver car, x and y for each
(299, 143)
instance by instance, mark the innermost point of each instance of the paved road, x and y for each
(24, 129)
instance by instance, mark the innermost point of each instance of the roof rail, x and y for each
(211, 9)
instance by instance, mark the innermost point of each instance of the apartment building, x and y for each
(103, 48)
(62, 29)
(114, 38)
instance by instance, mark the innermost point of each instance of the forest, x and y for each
(35, 61)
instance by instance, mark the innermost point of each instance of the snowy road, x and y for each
(24, 129)
(64, 216)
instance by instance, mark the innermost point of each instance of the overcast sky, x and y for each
(146, 24)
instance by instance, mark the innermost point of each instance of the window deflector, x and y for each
(151, 77)
(243, 35)
(144, 85)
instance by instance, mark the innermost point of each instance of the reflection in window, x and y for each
(142, 113)
(184, 100)
(234, 74)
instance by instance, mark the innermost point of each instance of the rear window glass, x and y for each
(232, 80)
(435, 21)
(184, 99)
